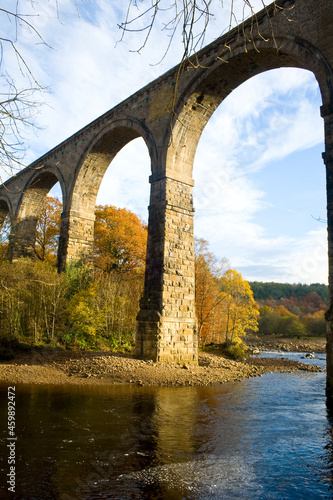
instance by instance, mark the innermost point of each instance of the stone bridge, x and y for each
(170, 114)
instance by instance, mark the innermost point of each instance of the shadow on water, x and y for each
(268, 437)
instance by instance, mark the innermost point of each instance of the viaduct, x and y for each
(170, 114)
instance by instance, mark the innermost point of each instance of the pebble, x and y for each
(88, 367)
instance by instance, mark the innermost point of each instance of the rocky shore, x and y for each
(272, 343)
(86, 367)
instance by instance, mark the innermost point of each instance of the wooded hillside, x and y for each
(264, 291)
(291, 309)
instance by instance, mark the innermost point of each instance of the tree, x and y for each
(315, 324)
(17, 110)
(209, 297)
(118, 300)
(48, 229)
(241, 311)
(32, 297)
(268, 320)
(279, 320)
(120, 240)
(85, 317)
(119, 255)
(277, 291)
(224, 301)
(4, 237)
(291, 326)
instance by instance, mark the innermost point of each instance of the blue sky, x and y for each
(259, 176)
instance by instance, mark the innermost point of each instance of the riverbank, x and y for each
(86, 367)
(274, 343)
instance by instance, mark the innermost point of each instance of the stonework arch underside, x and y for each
(203, 96)
(5, 207)
(77, 228)
(5, 211)
(98, 157)
(34, 192)
(31, 200)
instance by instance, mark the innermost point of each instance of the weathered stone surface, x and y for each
(170, 115)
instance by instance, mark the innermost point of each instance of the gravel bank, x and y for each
(113, 368)
(268, 343)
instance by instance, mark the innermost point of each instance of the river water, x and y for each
(268, 437)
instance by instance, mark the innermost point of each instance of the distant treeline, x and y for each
(291, 310)
(264, 291)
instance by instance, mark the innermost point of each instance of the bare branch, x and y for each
(17, 111)
(191, 19)
(19, 106)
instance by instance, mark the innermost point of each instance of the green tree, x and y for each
(291, 326)
(33, 302)
(315, 324)
(78, 277)
(268, 321)
(263, 291)
(85, 318)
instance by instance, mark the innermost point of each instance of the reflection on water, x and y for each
(268, 437)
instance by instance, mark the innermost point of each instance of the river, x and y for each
(268, 437)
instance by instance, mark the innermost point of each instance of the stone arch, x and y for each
(77, 230)
(167, 321)
(211, 86)
(5, 209)
(98, 156)
(36, 188)
(28, 209)
(5, 213)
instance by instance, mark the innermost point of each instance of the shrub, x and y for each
(237, 351)
(32, 301)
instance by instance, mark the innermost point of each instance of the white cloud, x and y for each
(308, 262)
(262, 258)
(262, 121)
(125, 183)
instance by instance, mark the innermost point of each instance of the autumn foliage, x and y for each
(48, 229)
(299, 317)
(120, 240)
(224, 301)
(291, 310)
(209, 296)
(83, 307)
(90, 307)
